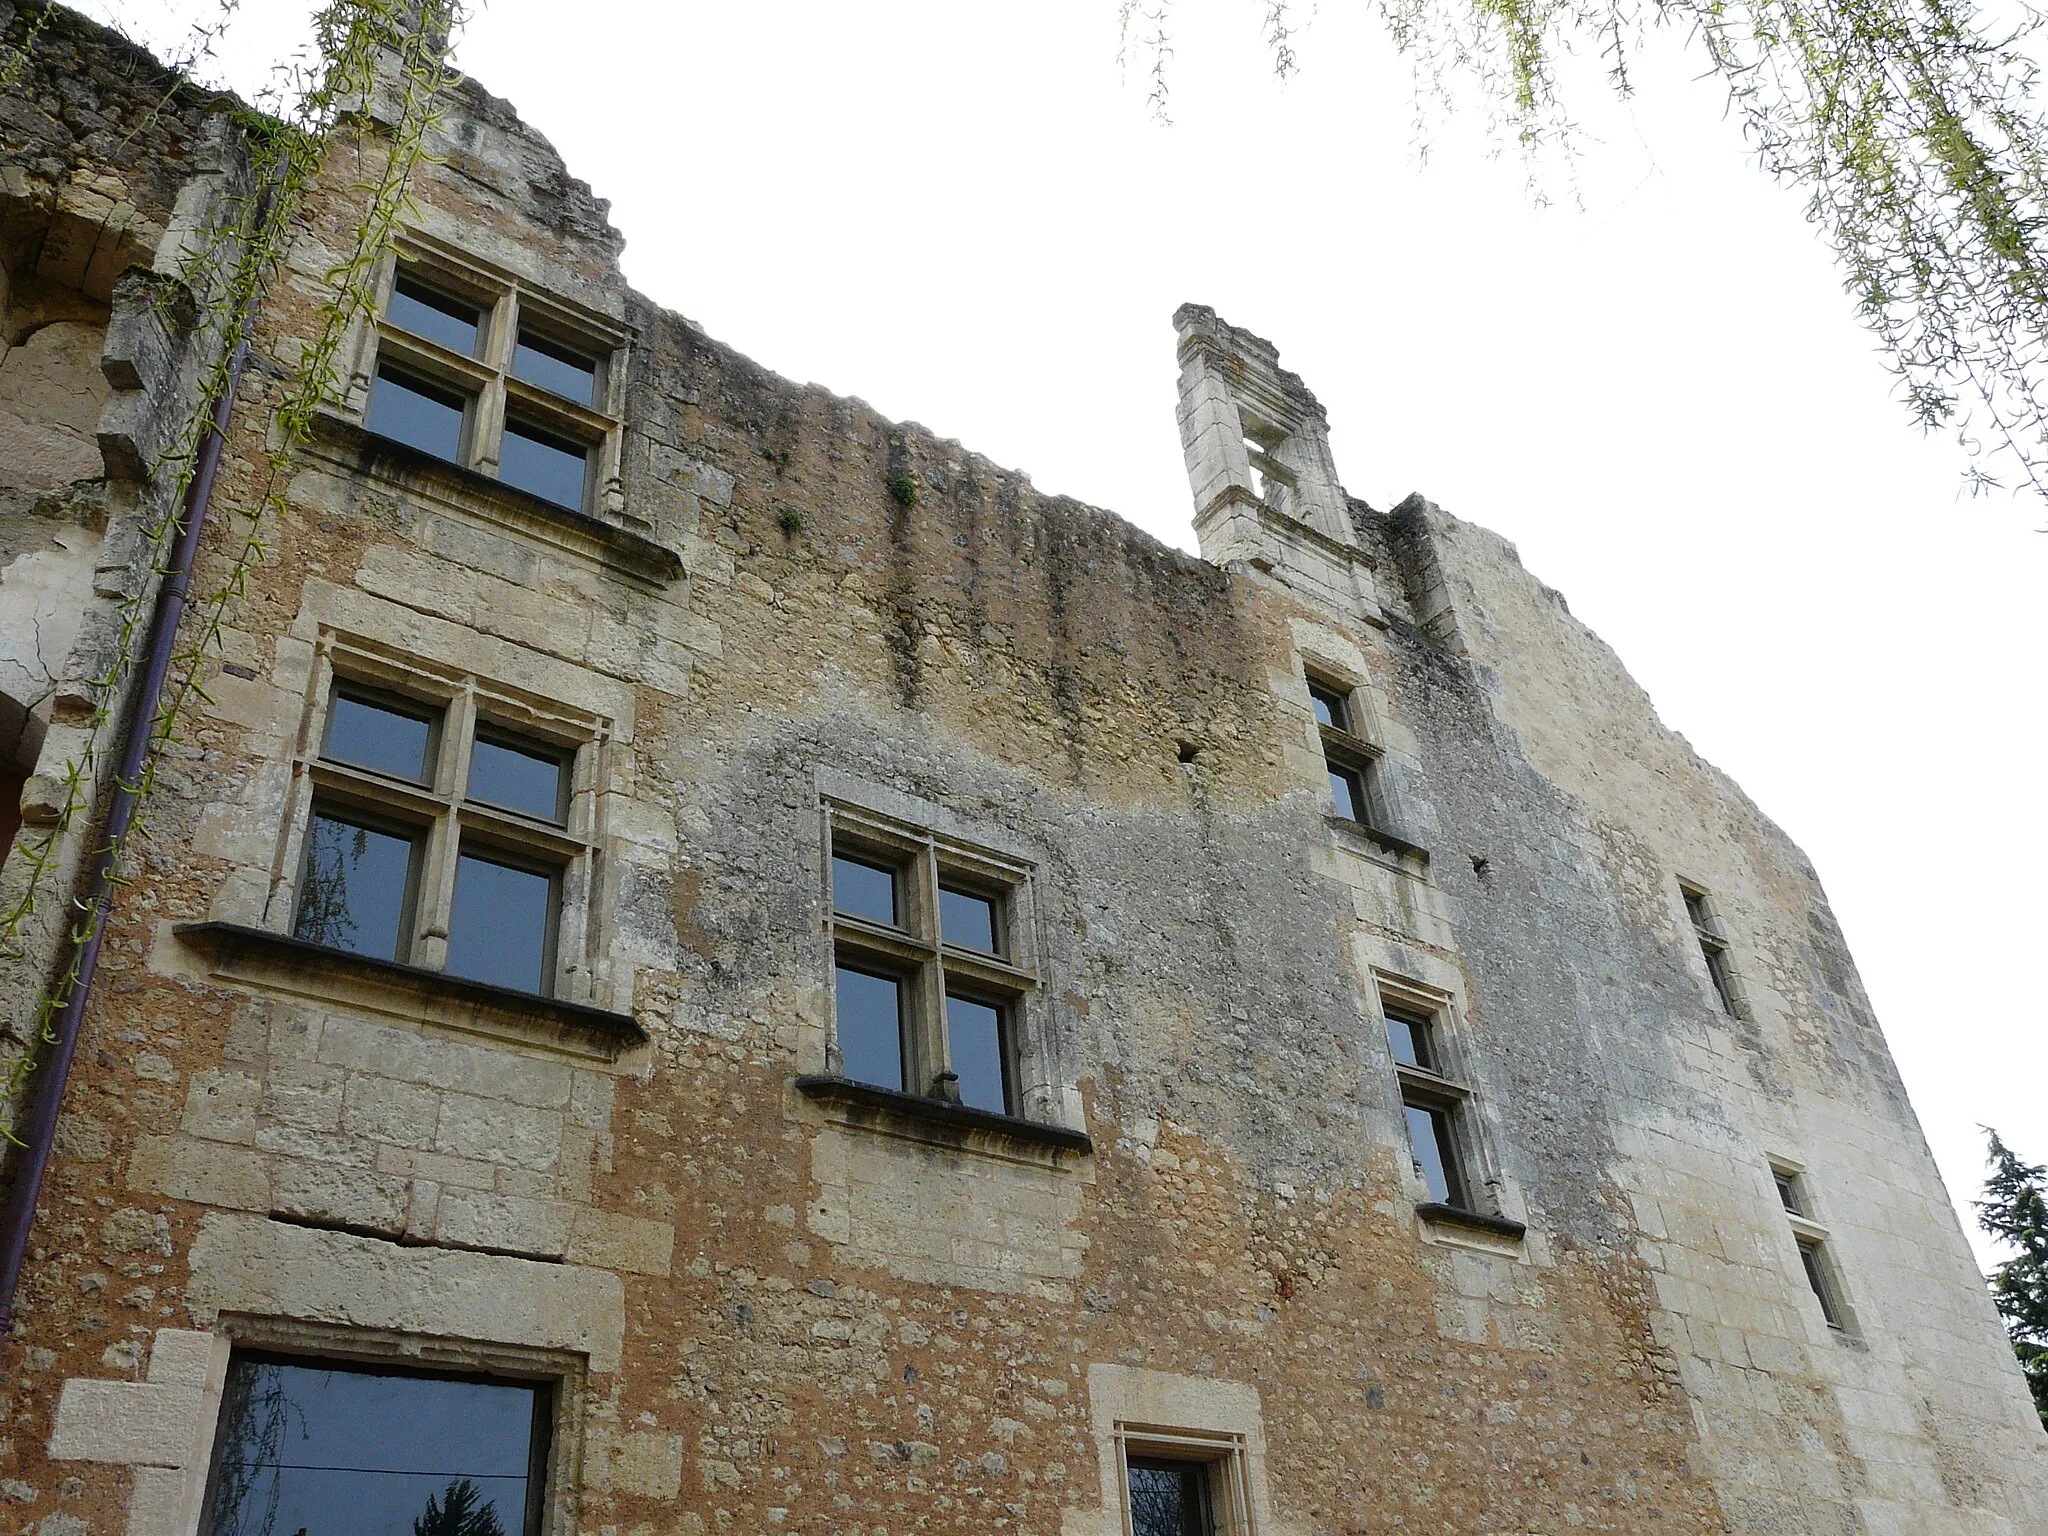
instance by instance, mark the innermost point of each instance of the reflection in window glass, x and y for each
(871, 1027)
(306, 1450)
(409, 410)
(967, 920)
(392, 741)
(356, 884)
(1330, 707)
(436, 316)
(1429, 1133)
(555, 368)
(1169, 1498)
(861, 889)
(498, 931)
(1347, 794)
(518, 778)
(547, 466)
(974, 1045)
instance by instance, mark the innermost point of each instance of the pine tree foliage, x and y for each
(459, 1510)
(2015, 1211)
(1911, 126)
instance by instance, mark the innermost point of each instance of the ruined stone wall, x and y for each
(775, 1305)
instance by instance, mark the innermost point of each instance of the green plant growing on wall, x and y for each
(789, 520)
(1910, 126)
(223, 273)
(2014, 1210)
(904, 489)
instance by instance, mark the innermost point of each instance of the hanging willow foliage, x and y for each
(1910, 125)
(225, 272)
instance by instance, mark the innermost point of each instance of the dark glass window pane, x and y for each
(555, 368)
(1408, 1034)
(1347, 794)
(416, 413)
(528, 779)
(304, 1450)
(1429, 1132)
(974, 1042)
(1330, 706)
(968, 920)
(357, 879)
(1788, 1195)
(392, 741)
(498, 931)
(436, 316)
(547, 466)
(1169, 1498)
(861, 889)
(1809, 1256)
(871, 1027)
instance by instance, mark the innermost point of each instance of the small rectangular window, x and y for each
(977, 1053)
(423, 310)
(381, 735)
(1170, 1498)
(322, 1450)
(501, 923)
(555, 368)
(1408, 1033)
(1706, 928)
(871, 1026)
(1331, 705)
(864, 889)
(356, 893)
(408, 409)
(969, 920)
(517, 776)
(550, 467)
(1788, 1193)
(1815, 1265)
(1436, 1154)
(1347, 794)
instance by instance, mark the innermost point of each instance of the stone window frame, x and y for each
(1355, 749)
(1818, 1265)
(487, 380)
(466, 700)
(915, 953)
(1716, 949)
(565, 1372)
(1448, 1090)
(1220, 1454)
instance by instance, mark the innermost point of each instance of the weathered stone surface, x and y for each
(774, 1309)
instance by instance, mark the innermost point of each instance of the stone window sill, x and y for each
(366, 452)
(1436, 1212)
(864, 1102)
(280, 962)
(1398, 846)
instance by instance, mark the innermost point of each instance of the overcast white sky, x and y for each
(964, 215)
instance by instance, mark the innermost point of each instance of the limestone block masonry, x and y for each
(1416, 1092)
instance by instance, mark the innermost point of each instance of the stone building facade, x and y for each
(861, 997)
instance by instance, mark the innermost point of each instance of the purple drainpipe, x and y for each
(46, 1083)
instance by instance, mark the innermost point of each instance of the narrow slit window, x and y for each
(1347, 794)
(550, 467)
(322, 1450)
(1814, 1264)
(1706, 928)
(408, 409)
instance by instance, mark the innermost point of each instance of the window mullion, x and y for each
(489, 434)
(928, 1022)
